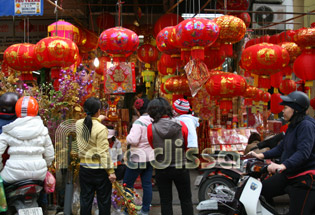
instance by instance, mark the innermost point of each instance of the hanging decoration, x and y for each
(287, 86)
(233, 4)
(245, 17)
(101, 69)
(275, 106)
(118, 42)
(64, 29)
(305, 38)
(177, 85)
(164, 70)
(165, 43)
(169, 19)
(147, 53)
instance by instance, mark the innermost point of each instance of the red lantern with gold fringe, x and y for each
(21, 57)
(147, 53)
(170, 62)
(275, 107)
(287, 86)
(249, 94)
(265, 59)
(118, 42)
(164, 70)
(196, 34)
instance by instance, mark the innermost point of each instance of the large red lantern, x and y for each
(147, 53)
(293, 50)
(264, 59)
(305, 37)
(275, 106)
(304, 65)
(118, 42)
(177, 85)
(169, 19)
(21, 57)
(56, 52)
(287, 86)
(274, 39)
(232, 29)
(196, 34)
(287, 36)
(164, 41)
(105, 21)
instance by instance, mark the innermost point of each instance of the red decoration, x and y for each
(214, 56)
(56, 52)
(274, 39)
(103, 65)
(312, 103)
(164, 41)
(275, 107)
(163, 70)
(118, 42)
(287, 86)
(21, 57)
(246, 18)
(287, 70)
(233, 4)
(266, 97)
(147, 53)
(293, 50)
(169, 19)
(276, 79)
(287, 36)
(259, 95)
(88, 40)
(177, 85)
(195, 34)
(264, 81)
(105, 21)
(264, 39)
(264, 59)
(304, 65)
(305, 37)
(170, 62)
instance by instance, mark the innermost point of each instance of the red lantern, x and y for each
(195, 34)
(276, 79)
(214, 56)
(102, 67)
(287, 86)
(304, 65)
(177, 85)
(305, 37)
(233, 4)
(56, 52)
(286, 71)
(21, 57)
(163, 70)
(250, 91)
(312, 103)
(293, 50)
(170, 62)
(164, 41)
(105, 21)
(275, 106)
(88, 41)
(232, 29)
(118, 42)
(245, 17)
(147, 53)
(264, 59)
(286, 36)
(266, 97)
(264, 81)
(169, 19)
(274, 39)
(259, 95)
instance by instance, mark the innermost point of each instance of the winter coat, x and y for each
(31, 150)
(140, 149)
(297, 149)
(192, 123)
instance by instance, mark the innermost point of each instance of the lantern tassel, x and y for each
(197, 52)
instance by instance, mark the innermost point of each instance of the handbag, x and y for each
(49, 183)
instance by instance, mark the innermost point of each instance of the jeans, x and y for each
(181, 179)
(146, 176)
(91, 181)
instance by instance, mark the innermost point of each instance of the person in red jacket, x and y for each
(168, 137)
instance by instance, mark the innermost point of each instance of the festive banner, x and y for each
(119, 78)
(22, 8)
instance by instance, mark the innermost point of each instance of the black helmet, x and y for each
(297, 100)
(8, 101)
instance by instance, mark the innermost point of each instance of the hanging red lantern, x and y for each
(233, 4)
(259, 95)
(232, 29)
(21, 57)
(305, 38)
(249, 94)
(64, 29)
(170, 62)
(163, 70)
(102, 66)
(214, 56)
(118, 42)
(245, 17)
(275, 106)
(265, 59)
(287, 86)
(169, 19)
(196, 34)
(88, 41)
(264, 81)
(293, 50)
(147, 53)
(304, 65)
(56, 52)
(276, 79)
(287, 36)
(287, 71)
(266, 97)
(164, 41)
(312, 103)
(177, 85)
(274, 39)
(105, 21)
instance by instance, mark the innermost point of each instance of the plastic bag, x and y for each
(49, 183)
(3, 202)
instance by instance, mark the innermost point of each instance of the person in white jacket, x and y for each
(31, 149)
(182, 108)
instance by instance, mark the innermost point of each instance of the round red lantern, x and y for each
(21, 57)
(293, 50)
(163, 70)
(259, 95)
(304, 65)
(56, 52)
(169, 19)
(147, 53)
(102, 67)
(275, 106)
(305, 37)
(195, 34)
(312, 103)
(264, 59)
(177, 85)
(286, 71)
(264, 39)
(170, 62)
(287, 36)
(118, 42)
(264, 81)
(266, 97)
(164, 41)
(287, 86)
(249, 94)
(232, 29)
(245, 17)
(105, 21)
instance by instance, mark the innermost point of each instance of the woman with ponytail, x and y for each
(96, 167)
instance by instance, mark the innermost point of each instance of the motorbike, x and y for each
(245, 199)
(227, 178)
(22, 197)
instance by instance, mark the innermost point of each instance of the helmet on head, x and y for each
(7, 102)
(297, 100)
(26, 106)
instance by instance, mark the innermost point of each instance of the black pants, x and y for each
(301, 191)
(91, 181)
(181, 179)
